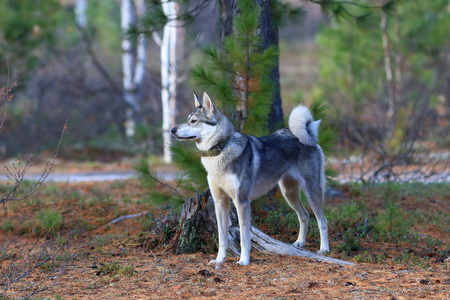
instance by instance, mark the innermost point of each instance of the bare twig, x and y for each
(96, 62)
(17, 175)
(5, 97)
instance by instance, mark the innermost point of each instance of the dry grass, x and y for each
(116, 264)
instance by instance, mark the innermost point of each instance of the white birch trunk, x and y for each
(141, 56)
(387, 67)
(168, 75)
(80, 13)
(398, 62)
(127, 52)
(133, 64)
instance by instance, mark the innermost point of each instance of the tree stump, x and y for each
(198, 227)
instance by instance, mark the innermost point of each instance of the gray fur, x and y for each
(249, 167)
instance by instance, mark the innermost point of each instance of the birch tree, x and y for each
(169, 74)
(80, 13)
(133, 63)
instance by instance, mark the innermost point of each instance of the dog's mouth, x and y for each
(182, 138)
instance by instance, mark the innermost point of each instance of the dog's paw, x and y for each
(216, 263)
(324, 251)
(243, 262)
(298, 244)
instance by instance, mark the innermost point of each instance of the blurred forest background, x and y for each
(384, 75)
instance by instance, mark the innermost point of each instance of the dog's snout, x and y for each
(174, 130)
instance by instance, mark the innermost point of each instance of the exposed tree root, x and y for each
(198, 229)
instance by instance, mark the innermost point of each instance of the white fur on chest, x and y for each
(219, 177)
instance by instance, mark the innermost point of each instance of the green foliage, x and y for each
(114, 268)
(154, 18)
(350, 222)
(27, 29)
(352, 67)
(283, 12)
(127, 270)
(50, 221)
(190, 165)
(361, 12)
(238, 77)
(279, 222)
(7, 225)
(328, 136)
(102, 240)
(148, 179)
(391, 223)
(352, 225)
(365, 257)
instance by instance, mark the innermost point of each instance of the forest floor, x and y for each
(125, 260)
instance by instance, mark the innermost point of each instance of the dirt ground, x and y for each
(166, 276)
(146, 274)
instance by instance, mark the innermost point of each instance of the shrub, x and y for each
(50, 221)
(391, 223)
(350, 222)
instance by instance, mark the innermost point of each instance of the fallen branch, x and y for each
(120, 219)
(265, 243)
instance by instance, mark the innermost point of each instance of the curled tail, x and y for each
(303, 126)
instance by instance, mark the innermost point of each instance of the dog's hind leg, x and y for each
(222, 210)
(290, 189)
(315, 194)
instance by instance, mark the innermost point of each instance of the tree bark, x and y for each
(133, 65)
(227, 8)
(269, 37)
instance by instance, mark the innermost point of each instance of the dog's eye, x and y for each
(193, 121)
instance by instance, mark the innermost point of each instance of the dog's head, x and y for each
(201, 122)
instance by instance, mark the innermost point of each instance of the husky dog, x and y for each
(243, 167)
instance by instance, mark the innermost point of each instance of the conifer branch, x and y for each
(339, 9)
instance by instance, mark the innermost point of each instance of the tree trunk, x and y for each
(387, 67)
(269, 37)
(169, 75)
(227, 8)
(80, 13)
(133, 65)
(198, 232)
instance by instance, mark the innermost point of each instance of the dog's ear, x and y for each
(208, 104)
(198, 103)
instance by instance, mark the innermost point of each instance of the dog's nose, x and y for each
(174, 130)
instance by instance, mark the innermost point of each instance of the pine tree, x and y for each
(238, 78)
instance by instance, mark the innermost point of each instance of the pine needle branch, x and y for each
(146, 176)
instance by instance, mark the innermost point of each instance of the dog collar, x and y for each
(215, 150)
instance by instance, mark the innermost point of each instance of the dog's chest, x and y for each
(220, 176)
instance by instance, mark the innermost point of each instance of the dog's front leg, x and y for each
(222, 209)
(244, 216)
